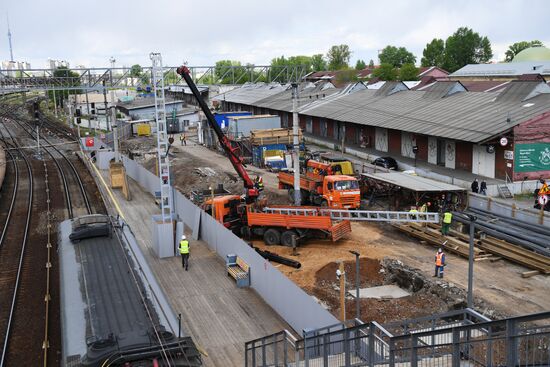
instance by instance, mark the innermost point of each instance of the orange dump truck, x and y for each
(279, 225)
(334, 191)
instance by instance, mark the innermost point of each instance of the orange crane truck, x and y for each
(279, 226)
(333, 191)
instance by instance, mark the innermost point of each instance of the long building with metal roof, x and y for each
(449, 125)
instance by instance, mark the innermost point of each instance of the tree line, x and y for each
(463, 47)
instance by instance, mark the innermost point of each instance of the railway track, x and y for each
(13, 244)
(61, 160)
(28, 270)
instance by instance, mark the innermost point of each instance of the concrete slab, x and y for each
(381, 292)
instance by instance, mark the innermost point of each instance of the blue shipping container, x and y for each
(222, 118)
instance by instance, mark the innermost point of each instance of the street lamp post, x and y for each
(472, 219)
(357, 284)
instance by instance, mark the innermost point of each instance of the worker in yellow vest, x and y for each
(184, 252)
(447, 219)
(439, 263)
(414, 212)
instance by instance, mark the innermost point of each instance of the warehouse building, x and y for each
(483, 133)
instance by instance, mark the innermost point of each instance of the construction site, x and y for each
(243, 240)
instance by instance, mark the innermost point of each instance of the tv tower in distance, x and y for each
(9, 37)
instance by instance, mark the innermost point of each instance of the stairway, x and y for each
(504, 192)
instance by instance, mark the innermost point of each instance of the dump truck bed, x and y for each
(336, 229)
(306, 183)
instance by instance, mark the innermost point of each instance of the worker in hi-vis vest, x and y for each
(439, 263)
(447, 219)
(184, 252)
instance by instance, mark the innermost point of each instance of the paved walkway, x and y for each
(219, 316)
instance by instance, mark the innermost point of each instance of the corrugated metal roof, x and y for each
(412, 182)
(504, 69)
(308, 94)
(250, 93)
(468, 116)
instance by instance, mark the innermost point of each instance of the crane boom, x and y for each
(251, 191)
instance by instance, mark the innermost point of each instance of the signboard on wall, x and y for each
(532, 157)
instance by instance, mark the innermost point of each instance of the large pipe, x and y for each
(514, 221)
(498, 234)
(533, 237)
(277, 258)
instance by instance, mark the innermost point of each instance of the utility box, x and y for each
(143, 129)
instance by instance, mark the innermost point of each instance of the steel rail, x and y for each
(22, 255)
(14, 194)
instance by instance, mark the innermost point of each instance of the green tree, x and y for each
(69, 78)
(371, 63)
(338, 57)
(136, 70)
(346, 76)
(279, 65)
(396, 56)
(434, 53)
(229, 72)
(171, 77)
(360, 65)
(385, 72)
(318, 63)
(466, 47)
(408, 72)
(517, 47)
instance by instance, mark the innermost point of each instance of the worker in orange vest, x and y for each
(439, 263)
(544, 190)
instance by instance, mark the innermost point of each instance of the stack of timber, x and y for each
(273, 136)
(486, 248)
(431, 234)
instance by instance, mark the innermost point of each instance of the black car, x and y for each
(386, 162)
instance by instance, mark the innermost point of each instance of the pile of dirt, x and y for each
(427, 296)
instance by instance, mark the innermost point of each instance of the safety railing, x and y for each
(521, 341)
(278, 349)
(466, 340)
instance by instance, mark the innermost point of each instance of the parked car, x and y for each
(386, 162)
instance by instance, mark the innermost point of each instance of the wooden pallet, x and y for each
(435, 238)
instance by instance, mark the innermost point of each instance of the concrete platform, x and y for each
(219, 316)
(381, 292)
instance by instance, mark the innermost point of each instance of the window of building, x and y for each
(323, 124)
(285, 120)
(309, 125)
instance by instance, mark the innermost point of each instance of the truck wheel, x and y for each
(272, 237)
(286, 238)
(246, 233)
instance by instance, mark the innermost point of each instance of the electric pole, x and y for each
(296, 142)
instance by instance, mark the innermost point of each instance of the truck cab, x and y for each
(341, 192)
(226, 209)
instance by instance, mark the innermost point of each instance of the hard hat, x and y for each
(440, 250)
(183, 237)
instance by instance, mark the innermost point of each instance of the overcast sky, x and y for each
(254, 31)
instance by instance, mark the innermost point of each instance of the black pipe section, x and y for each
(277, 258)
(542, 239)
(517, 222)
(460, 217)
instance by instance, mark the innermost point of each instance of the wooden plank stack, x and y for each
(273, 136)
(486, 247)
